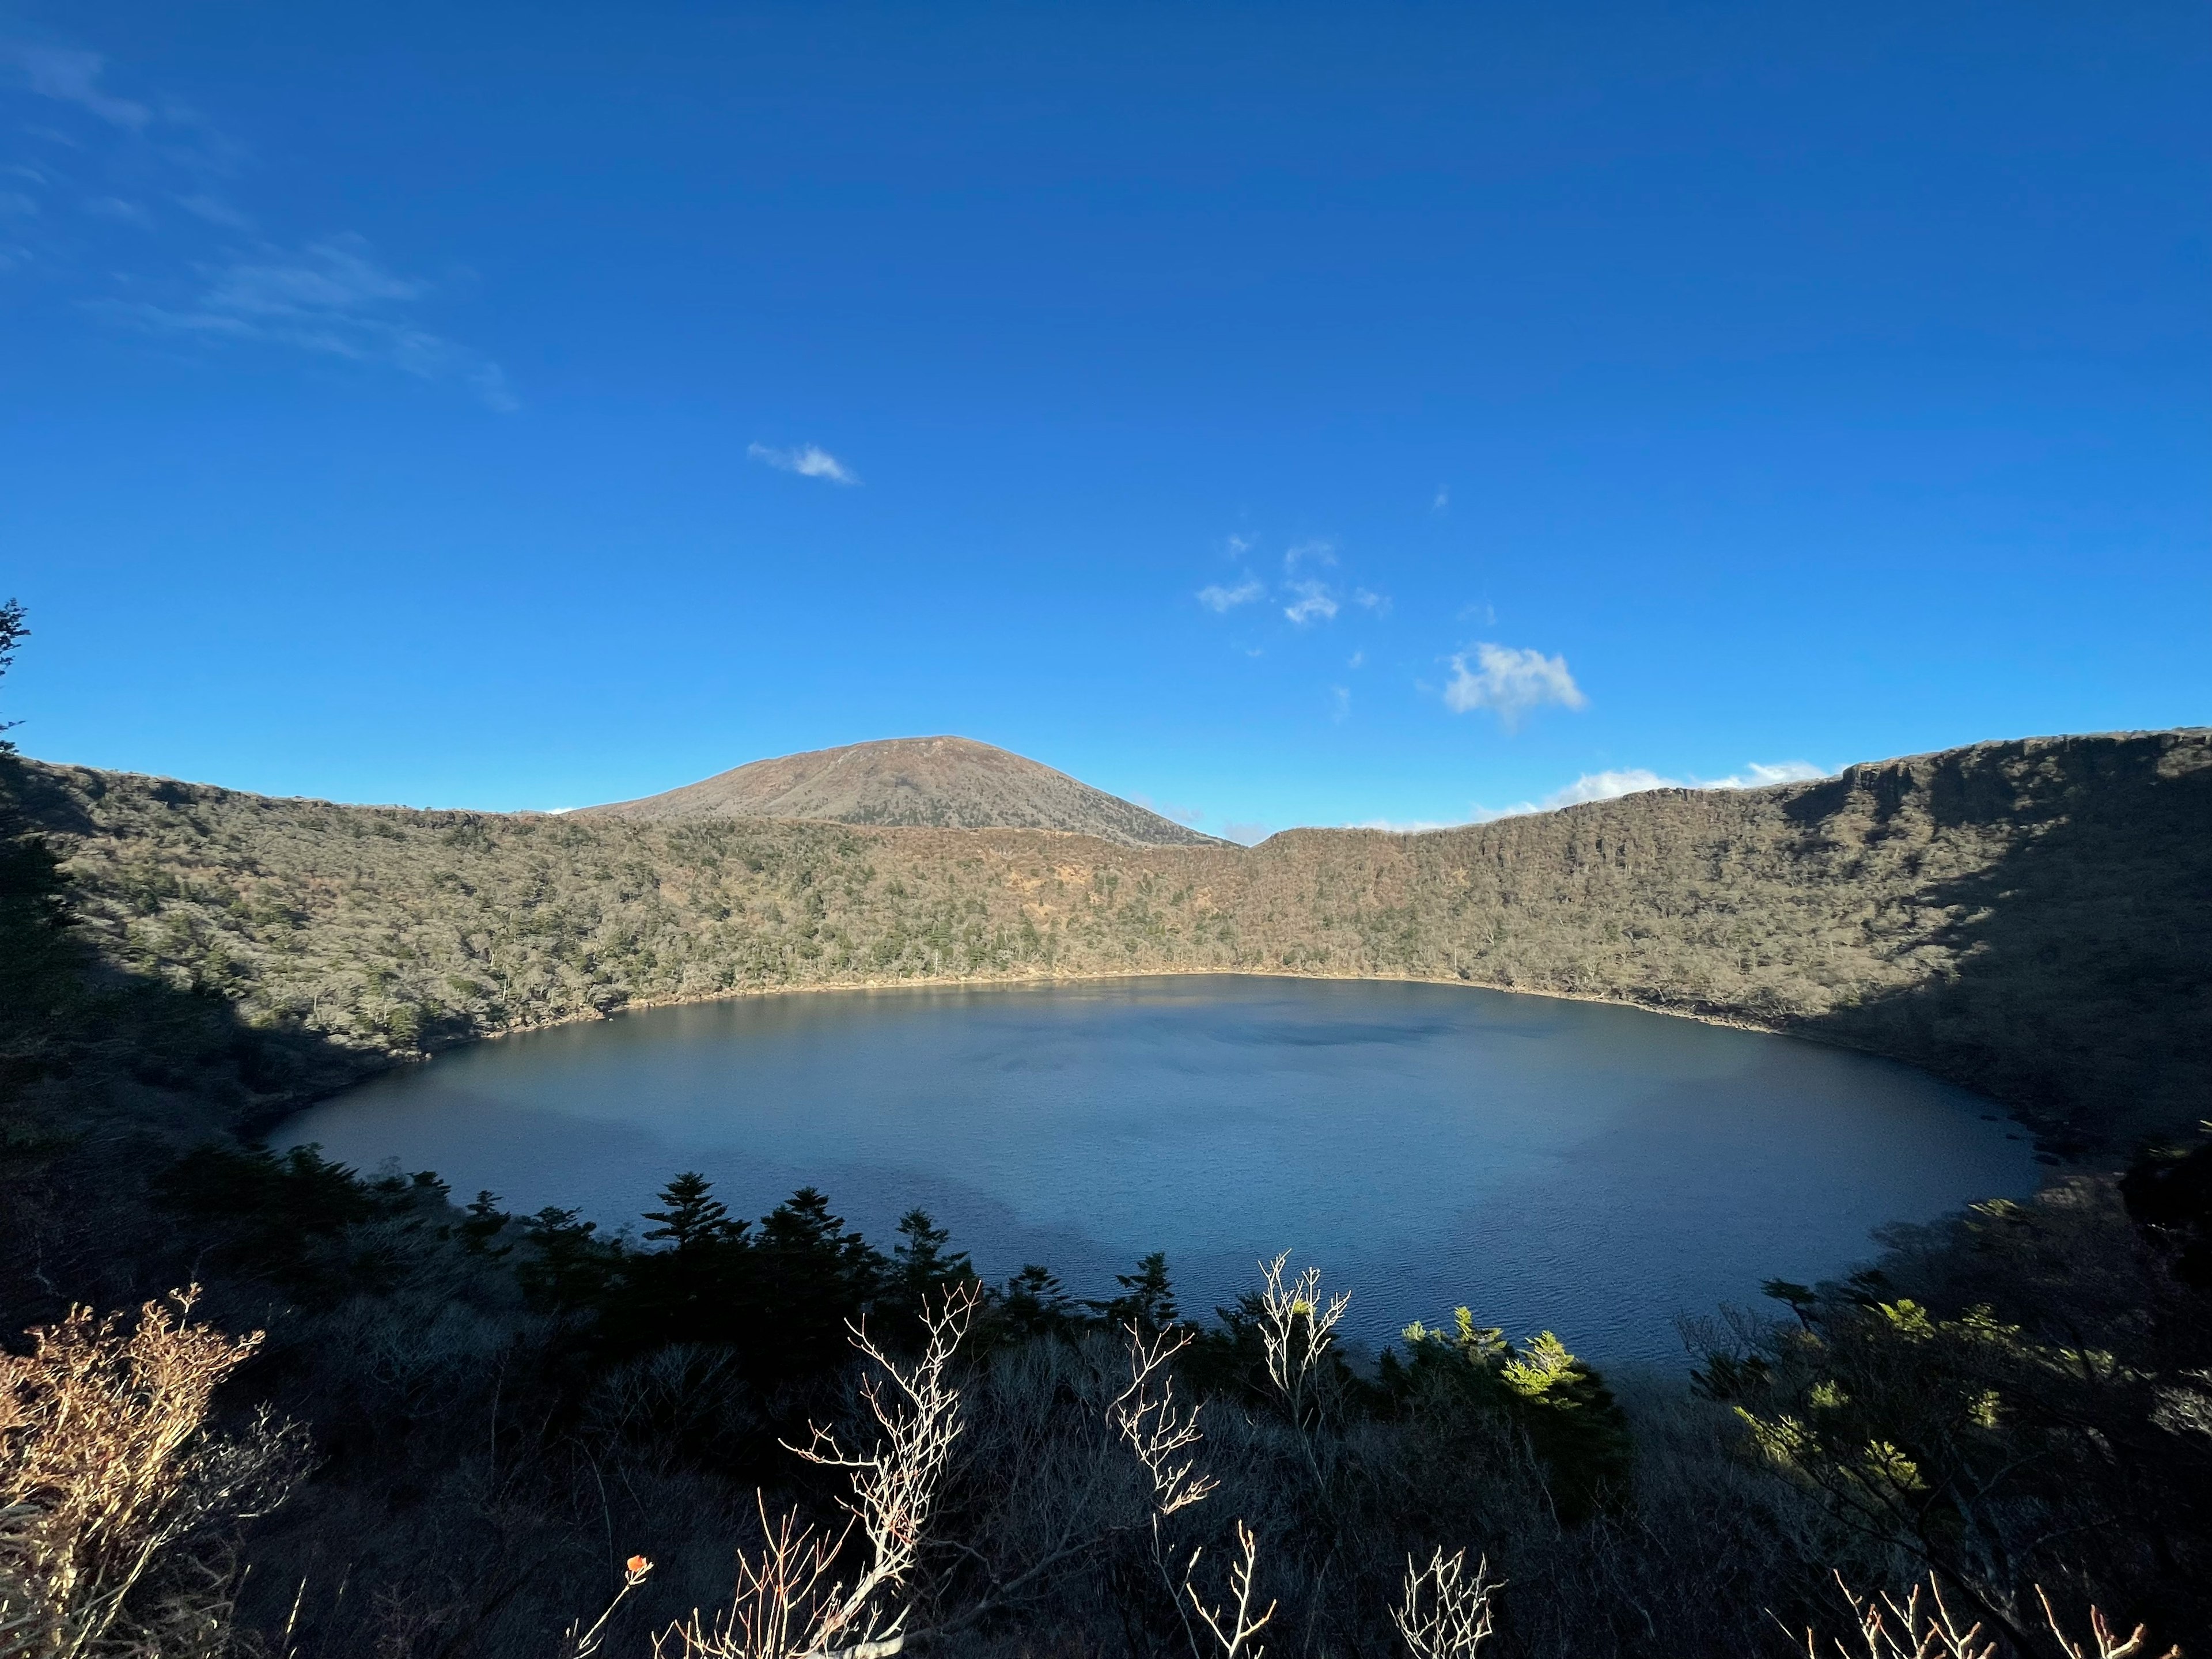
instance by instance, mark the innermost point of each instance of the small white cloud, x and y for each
(1167, 809)
(1249, 834)
(1217, 598)
(1357, 659)
(1443, 499)
(1509, 683)
(1339, 697)
(1407, 826)
(807, 460)
(1756, 775)
(1239, 546)
(1378, 603)
(1305, 553)
(1314, 603)
(1611, 786)
(1607, 786)
(73, 77)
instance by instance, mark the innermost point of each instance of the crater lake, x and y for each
(1585, 1168)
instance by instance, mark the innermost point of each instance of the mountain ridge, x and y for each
(2030, 917)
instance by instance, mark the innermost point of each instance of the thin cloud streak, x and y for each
(197, 271)
(331, 298)
(71, 76)
(807, 460)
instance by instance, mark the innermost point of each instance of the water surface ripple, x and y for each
(1575, 1166)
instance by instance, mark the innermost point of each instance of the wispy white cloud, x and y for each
(1611, 786)
(1443, 499)
(1189, 815)
(1339, 699)
(71, 76)
(1217, 598)
(1309, 553)
(1239, 546)
(1313, 603)
(117, 211)
(215, 210)
(1367, 601)
(1409, 826)
(1249, 833)
(807, 460)
(1509, 683)
(1757, 776)
(196, 270)
(331, 298)
(1357, 659)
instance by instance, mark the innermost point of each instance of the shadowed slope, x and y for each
(940, 783)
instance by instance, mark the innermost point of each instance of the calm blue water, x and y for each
(1564, 1165)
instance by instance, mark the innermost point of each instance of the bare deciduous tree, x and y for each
(788, 1604)
(1445, 1614)
(1296, 1328)
(1161, 1434)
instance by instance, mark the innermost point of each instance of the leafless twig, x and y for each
(576, 1644)
(1445, 1614)
(1157, 1431)
(787, 1605)
(2108, 1645)
(1912, 1630)
(1233, 1626)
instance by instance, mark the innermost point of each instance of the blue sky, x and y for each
(1283, 414)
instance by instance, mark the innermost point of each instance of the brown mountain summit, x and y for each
(946, 783)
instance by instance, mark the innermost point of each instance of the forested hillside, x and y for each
(2034, 918)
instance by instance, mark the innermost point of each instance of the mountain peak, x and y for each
(941, 782)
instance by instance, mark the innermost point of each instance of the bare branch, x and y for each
(788, 1605)
(1445, 1614)
(1295, 1326)
(1233, 1626)
(578, 1644)
(1157, 1431)
(2108, 1645)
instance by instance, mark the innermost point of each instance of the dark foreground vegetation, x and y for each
(469, 1433)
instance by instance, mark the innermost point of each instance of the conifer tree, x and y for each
(1035, 1303)
(694, 1219)
(1147, 1299)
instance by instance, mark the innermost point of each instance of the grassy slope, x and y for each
(2034, 918)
